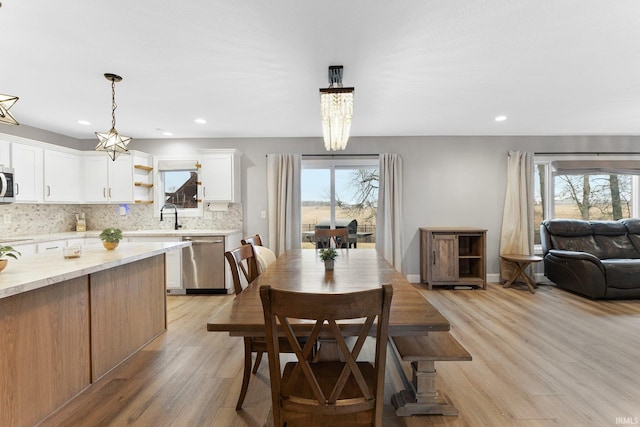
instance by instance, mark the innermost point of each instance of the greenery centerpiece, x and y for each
(7, 251)
(111, 237)
(328, 255)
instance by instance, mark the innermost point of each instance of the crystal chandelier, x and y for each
(336, 107)
(6, 102)
(112, 142)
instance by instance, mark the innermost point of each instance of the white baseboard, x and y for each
(413, 278)
(494, 278)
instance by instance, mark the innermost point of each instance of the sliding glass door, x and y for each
(340, 193)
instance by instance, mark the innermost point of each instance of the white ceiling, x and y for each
(253, 68)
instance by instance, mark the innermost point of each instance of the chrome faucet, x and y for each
(175, 213)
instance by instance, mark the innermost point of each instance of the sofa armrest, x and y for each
(578, 272)
(576, 255)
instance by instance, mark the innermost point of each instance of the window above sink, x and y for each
(178, 183)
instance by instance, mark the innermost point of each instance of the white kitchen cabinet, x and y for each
(107, 181)
(26, 249)
(92, 241)
(173, 271)
(5, 153)
(28, 163)
(173, 262)
(52, 245)
(62, 178)
(221, 175)
(78, 241)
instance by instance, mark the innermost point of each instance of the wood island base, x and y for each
(57, 340)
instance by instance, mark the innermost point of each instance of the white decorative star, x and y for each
(6, 102)
(113, 143)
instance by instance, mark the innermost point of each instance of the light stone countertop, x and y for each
(39, 270)
(21, 240)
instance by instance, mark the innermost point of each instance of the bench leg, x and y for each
(422, 397)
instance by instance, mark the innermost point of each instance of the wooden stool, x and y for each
(521, 262)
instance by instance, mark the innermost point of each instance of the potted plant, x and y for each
(328, 255)
(7, 251)
(111, 237)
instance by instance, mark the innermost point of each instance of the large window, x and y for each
(585, 187)
(340, 192)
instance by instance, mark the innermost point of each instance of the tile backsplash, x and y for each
(21, 219)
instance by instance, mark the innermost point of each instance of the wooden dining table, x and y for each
(355, 269)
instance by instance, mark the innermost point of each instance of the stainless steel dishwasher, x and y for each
(203, 265)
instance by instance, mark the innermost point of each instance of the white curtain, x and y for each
(283, 192)
(389, 220)
(517, 218)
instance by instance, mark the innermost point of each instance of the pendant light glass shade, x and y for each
(336, 106)
(336, 109)
(112, 142)
(6, 102)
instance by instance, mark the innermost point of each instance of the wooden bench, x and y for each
(421, 396)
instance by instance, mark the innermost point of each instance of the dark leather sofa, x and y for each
(597, 259)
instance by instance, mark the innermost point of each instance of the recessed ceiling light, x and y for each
(200, 121)
(84, 122)
(500, 118)
(165, 133)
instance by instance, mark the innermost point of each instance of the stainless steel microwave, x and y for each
(6, 185)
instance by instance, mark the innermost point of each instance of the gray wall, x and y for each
(448, 180)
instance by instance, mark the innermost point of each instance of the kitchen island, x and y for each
(176, 283)
(67, 322)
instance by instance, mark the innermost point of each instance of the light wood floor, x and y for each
(549, 359)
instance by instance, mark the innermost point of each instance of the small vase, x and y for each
(3, 263)
(328, 265)
(110, 245)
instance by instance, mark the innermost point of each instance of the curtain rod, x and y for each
(338, 155)
(591, 153)
(341, 155)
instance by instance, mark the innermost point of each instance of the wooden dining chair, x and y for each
(255, 240)
(345, 392)
(244, 270)
(339, 236)
(242, 260)
(264, 255)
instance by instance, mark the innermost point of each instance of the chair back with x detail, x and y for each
(339, 236)
(343, 392)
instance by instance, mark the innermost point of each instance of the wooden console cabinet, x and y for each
(451, 256)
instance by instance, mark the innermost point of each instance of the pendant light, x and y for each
(112, 142)
(6, 102)
(336, 108)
